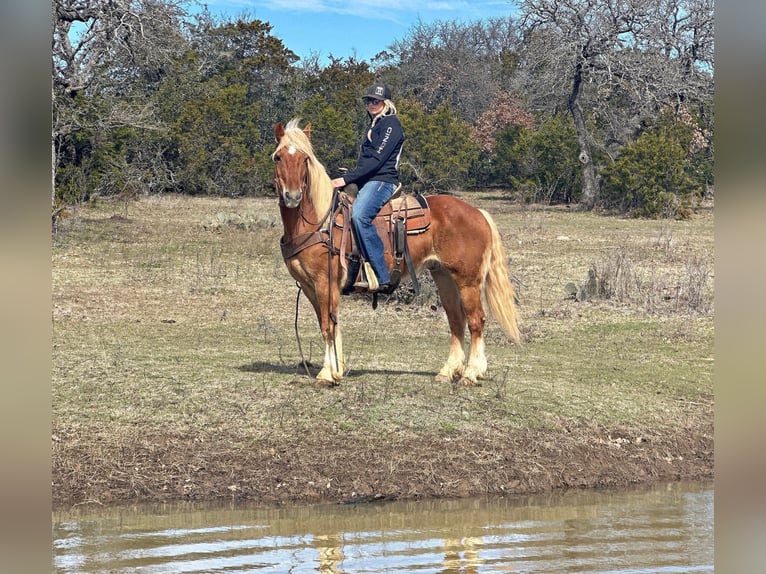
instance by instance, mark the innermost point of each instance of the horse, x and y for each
(462, 249)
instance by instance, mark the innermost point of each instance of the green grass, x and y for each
(166, 323)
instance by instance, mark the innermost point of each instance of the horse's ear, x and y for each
(307, 130)
(279, 131)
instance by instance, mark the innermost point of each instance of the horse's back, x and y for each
(452, 216)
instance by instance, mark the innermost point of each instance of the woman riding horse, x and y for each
(462, 250)
(377, 175)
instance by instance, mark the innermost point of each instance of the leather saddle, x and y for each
(412, 210)
(401, 216)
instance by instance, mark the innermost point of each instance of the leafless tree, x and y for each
(100, 48)
(608, 55)
(451, 62)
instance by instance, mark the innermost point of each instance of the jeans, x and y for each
(368, 202)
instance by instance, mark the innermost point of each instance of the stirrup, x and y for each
(384, 288)
(372, 279)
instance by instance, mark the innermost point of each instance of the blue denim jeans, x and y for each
(368, 202)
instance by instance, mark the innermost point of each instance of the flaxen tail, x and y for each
(498, 289)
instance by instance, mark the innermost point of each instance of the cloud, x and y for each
(334, 16)
(377, 9)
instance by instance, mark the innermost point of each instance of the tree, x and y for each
(333, 134)
(439, 149)
(655, 175)
(237, 82)
(147, 99)
(504, 111)
(106, 58)
(540, 162)
(635, 56)
(126, 38)
(216, 135)
(461, 65)
(334, 107)
(243, 51)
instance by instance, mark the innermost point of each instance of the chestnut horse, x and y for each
(462, 250)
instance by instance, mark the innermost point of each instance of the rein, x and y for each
(319, 223)
(291, 248)
(297, 334)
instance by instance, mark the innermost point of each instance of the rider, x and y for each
(377, 175)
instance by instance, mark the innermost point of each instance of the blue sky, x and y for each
(359, 28)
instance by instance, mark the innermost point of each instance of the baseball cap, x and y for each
(378, 91)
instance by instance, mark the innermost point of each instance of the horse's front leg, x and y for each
(325, 304)
(334, 365)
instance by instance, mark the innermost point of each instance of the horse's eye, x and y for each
(277, 158)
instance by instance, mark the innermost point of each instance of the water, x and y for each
(667, 529)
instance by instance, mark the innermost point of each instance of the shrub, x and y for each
(439, 150)
(333, 134)
(217, 138)
(540, 164)
(653, 175)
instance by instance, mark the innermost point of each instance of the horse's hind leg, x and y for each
(477, 360)
(450, 298)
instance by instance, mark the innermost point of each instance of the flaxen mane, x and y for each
(320, 185)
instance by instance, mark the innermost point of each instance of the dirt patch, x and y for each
(347, 468)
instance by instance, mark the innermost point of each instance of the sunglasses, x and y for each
(372, 101)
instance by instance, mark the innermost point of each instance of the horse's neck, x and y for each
(299, 221)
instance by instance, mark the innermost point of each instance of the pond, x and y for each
(662, 529)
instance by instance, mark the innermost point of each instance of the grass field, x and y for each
(176, 370)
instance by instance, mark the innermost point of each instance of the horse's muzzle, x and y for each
(292, 198)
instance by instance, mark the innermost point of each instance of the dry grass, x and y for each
(173, 316)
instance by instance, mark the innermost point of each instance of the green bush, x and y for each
(217, 138)
(333, 134)
(541, 165)
(439, 151)
(654, 175)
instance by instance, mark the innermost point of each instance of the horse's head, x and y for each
(291, 163)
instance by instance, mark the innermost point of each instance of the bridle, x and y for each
(304, 189)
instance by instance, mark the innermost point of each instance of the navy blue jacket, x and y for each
(379, 157)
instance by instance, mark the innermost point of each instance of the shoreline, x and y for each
(341, 469)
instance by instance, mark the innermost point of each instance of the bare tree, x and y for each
(101, 49)
(456, 63)
(604, 55)
(121, 37)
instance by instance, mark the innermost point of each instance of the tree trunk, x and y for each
(589, 189)
(53, 148)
